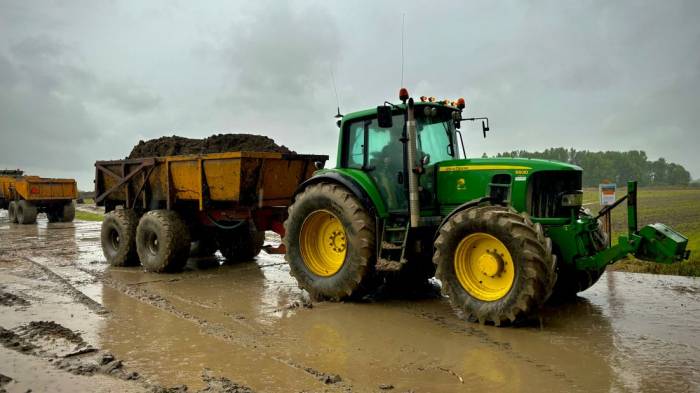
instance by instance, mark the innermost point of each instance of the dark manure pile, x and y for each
(222, 143)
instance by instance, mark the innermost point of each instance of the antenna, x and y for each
(403, 27)
(337, 99)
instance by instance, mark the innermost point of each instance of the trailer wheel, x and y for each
(68, 212)
(118, 237)
(202, 248)
(26, 212)
(571, 281)
(240, 244)
(162, 241)
(330, 241)
(494, 265)
(63, 213)
(12, 212)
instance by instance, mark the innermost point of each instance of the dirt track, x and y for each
(69, 321)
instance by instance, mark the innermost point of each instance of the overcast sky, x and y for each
(82, 81)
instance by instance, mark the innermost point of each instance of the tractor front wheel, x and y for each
(495, 265)
(330, 241)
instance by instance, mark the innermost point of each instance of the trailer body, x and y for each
(211, 194)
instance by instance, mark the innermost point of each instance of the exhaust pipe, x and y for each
(413, 199)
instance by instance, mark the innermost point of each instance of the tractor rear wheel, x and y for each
(26, 212)
(12, 212)
(330, 241)
(162, 241)
(118, 237)
(571, 281)
(241, 244)
(495, 265)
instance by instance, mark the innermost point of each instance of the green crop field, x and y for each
(88, 216)
(678, 207)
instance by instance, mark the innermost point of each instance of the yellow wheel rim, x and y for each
(484, 267)
(322, 243)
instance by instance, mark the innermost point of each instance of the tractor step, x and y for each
(385, 265)
(391, 246)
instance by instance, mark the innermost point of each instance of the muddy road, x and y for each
(69, 322)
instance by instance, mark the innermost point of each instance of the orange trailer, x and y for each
(161, 210)
(27, 196)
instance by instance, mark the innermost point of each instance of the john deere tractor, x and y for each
(404, 204)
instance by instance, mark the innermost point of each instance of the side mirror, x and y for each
(384, 117)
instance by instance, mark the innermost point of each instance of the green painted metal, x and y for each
(364, 182)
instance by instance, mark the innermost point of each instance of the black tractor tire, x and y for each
(12, 212)
(162, 241)
(202, 248)
(63, 213)
(26, 212)
(529, 249)
(240, 244)
(571, 281)
(118, 237)
(356, 275)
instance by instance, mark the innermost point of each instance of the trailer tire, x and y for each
(62, 213)
(571, 281)
(118, 237)
(26, 212)
(202, 248)
(495, 265)
(240, 244)
(12, 212)
(162, 241)
(343, 267)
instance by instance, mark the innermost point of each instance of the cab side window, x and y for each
(356, 144)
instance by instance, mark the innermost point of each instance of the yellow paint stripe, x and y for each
(481, 168)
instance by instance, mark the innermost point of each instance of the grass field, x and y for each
(87, 216)
(677, 207)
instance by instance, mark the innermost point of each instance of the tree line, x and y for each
(614, 166)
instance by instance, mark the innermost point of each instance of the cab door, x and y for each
(380, 153)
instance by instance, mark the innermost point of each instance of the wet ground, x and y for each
(69, 322)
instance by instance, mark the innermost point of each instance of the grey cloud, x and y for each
(129, 97)
(285, 52)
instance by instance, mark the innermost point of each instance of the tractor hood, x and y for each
(505, 165)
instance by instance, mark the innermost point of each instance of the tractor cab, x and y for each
(375, 141)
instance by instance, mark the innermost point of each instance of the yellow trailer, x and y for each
(26, 196)
(161, 210)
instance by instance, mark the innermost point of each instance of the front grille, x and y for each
(545, 191)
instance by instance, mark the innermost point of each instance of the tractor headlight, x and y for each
(572, 199)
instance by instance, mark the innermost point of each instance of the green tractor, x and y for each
(404, 204)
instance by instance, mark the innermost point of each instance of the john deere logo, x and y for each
(461, 184)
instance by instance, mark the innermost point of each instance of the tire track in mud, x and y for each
(502, 346)
(70, 289)
(137, 292)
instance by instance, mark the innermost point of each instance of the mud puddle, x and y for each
(247, 326)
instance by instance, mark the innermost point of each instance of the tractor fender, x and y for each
(464, 206)
(337, 178)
